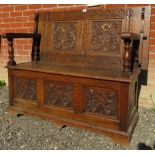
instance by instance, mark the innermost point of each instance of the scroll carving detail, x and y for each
(57, 93)
(64, 36)
(108, 13)
(25, 88)
(106, 36)
(101, 101)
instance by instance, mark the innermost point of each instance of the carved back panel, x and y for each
(104, 27)
(91, 38)
(61, 33)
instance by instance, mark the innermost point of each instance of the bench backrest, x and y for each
(92, 38)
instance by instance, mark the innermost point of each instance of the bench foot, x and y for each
(13, 112)
(58, 125)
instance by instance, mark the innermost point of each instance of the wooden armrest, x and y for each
(134, 36)
(35, 47)
(20, 35)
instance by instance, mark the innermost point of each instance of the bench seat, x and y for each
(93, 73)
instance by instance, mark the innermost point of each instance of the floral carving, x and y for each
(25, 88)
(57, 93)
(101, 101)
(106, 36)
(64, 36)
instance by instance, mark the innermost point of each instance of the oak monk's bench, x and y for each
(86, 70)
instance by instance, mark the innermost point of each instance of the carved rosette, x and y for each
(64, 36)
(25, 88)
(101, 101)
(58, 94)
(106, 36)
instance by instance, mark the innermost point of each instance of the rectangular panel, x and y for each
(103, 33)
(101, 101)
(58, 94)
(65, 36)
(105, 37)
(25, 88)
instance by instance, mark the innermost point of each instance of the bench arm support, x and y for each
(35, 48)
(128, 56)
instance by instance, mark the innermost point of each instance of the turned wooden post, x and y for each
(36, 56)
(127, 55)
(32, 53)
(11, 61)
(36, 19)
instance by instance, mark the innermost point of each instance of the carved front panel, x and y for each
(101, 101)
(58, 94)
(25, 88)
(106, 36)
(64, 36)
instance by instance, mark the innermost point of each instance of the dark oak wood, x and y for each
(134, 36)
(11, 61)
(86, 69)
(20, 35)
(36, 55)
(35, 49)
(127, 55)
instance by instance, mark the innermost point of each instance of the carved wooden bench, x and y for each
(86, 70)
